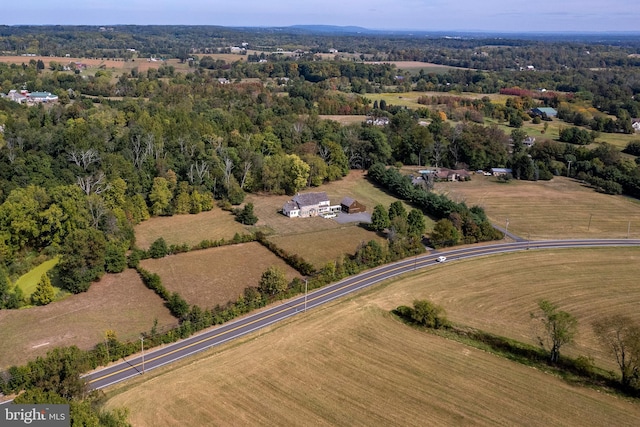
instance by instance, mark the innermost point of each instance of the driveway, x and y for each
(344, 218)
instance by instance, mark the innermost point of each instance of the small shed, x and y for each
(350, 206)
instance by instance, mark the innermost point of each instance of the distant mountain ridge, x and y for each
(332, 29)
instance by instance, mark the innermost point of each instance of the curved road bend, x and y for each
(245, 325)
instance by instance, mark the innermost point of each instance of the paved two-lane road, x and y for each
(221, 334)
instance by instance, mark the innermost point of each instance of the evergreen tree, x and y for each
(44, 293)
(246, 215)
(158, 248)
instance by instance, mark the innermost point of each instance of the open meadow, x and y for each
(217, 275)
(410, 99)
(190, 229)
(29, 281)
(326, 244)
(619, 140)
(555, 209)
(352, 363)
(119, 302)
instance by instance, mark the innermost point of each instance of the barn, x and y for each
(350, 206)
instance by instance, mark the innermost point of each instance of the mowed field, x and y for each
(216, 275)
(119, 302)
(352, 363)
(190, 229)
(410, 99)
(498, 293)
(556, 209)
(319, 247)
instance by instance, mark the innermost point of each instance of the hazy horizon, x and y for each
(585, 16)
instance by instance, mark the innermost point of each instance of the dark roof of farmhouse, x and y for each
(347, 201)
(309, 199)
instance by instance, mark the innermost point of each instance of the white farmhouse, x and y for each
(306, 205)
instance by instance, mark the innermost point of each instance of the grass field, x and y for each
(327, 245)
(414, 67)
(497, 293)
(217, 275)
(560, 208)
(119, 302)
(346, 119)
(352, 363)
(410, 99)
(191, 229)
(29, 281)
(618, 140)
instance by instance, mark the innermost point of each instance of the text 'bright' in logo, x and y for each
(37, 415)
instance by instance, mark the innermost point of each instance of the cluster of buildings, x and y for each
(305, 205)
(26, 97)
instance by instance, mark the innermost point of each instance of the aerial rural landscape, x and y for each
(320, 225)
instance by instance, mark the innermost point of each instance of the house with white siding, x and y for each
(305, 205)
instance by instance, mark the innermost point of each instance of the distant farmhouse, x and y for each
(445, 174)
(305, 205)
(24, 97)
(377, 121)
(544, 112)
(500, 171)
(635, 123)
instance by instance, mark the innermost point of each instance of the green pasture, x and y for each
(29, 281)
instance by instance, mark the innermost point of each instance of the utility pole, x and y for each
(506, 228)
(628, 229)
(589, 226)
(306, 285)
(142, 346)
(569, 168)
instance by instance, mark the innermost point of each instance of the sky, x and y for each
(427, 15)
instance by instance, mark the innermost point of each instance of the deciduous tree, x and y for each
(160, 196)
(83, 260)
(427, 314)
(444, 234)
(416, 223)
(273, 281)
(397, 209)
(620, 335)
(379, 218)
(558, 328)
